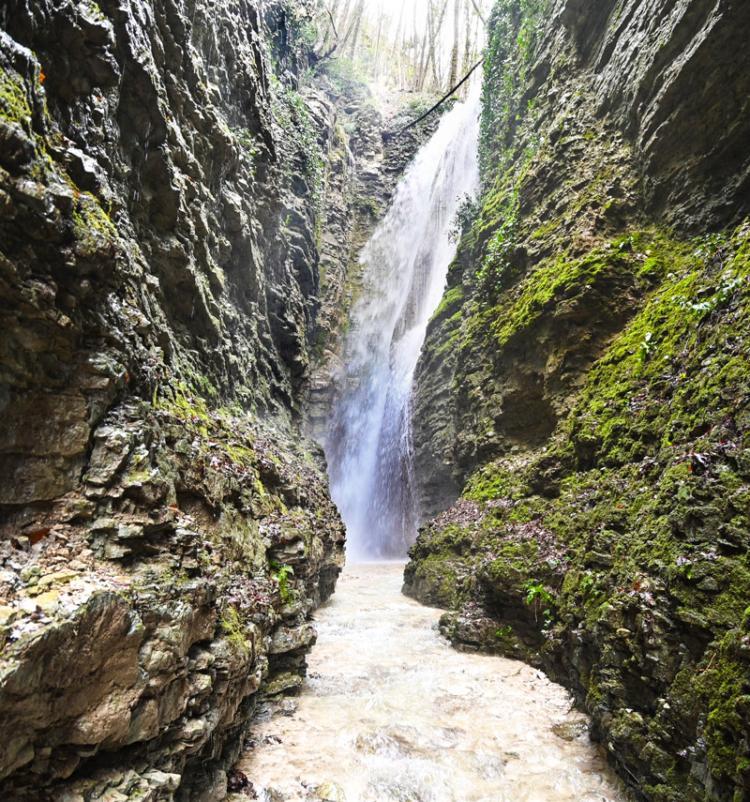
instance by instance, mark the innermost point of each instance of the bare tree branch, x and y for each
(479, 12)
(441, 101)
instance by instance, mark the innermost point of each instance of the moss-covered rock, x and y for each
(584, 393)
(161, 516)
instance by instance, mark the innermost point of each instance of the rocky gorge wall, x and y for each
(380, 150)
(165, 531)
(581, 411)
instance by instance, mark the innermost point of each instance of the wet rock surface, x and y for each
(165, 531)
(581, 413)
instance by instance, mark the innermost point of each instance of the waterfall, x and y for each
(405, 263)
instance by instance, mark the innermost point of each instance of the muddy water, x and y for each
(391, 713)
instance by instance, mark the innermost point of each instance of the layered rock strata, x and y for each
(582, 411)
(166, 532)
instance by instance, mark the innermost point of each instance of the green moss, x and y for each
(510, 567)
(14, 102)
(630, 524)
(665, 349)
(178, 400)
(560, 280)
(725, 685)
(450, 302)
(545, 230)
(438, 579)
(93, 9)
(234, 630)
(651, 505)
(504, 479)
(297, 129)
(92, 226)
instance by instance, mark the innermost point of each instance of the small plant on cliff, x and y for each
(497, 259)
(231, 625)
(282, 573)
(249, 144)
(538, 597)
(466, 214)
(724, 292)
(646, 348)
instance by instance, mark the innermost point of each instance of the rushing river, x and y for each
(390, 713)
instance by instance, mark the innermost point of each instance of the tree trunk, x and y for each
(433, 58)
(453, 73)
(343, 21)
(376, 55)
(477, 8)
(356, 25)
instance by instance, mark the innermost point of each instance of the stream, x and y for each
(391, 713)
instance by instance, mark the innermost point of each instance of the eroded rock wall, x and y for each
(369, 155)
(581, 414)
(166, 531)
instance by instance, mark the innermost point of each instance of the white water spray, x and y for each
(404, 269)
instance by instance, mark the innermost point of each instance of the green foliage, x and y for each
(497, 258)
(282, 575)
(234, 630)
(714, 297)
(537, 594)
(513, 28)
(538, 597)
(306, 33)
(645, 349)
(466, 214)
(503, 633)
(345, 75)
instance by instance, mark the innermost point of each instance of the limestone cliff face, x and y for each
(632, 114)
(365, 167)
(166, 532)
(583, 389)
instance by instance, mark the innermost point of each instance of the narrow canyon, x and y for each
(375, 401)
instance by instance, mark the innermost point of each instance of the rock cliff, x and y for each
(582, 411)
(165, 530)
(365, 169)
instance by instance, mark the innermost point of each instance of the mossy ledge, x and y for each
(582, 412)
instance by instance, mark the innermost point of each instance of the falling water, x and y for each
(404, 269)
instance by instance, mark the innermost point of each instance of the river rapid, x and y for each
(391, 713)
